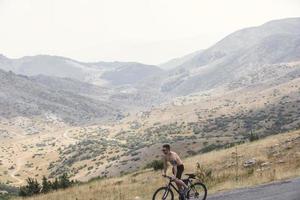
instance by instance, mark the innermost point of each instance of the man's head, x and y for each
(166, 148)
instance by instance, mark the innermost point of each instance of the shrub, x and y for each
(156, 165)
(64, 181)
(55, 184)
(253, 137)
(32, 188)
(46, 185)
(211, 147)
(205, 175)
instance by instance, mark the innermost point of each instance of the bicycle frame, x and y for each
(189, 181)
(170, 185)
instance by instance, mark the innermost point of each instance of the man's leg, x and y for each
(180, 184)
(183, 188)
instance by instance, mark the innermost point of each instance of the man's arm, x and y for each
(175, 170)
(165, 165)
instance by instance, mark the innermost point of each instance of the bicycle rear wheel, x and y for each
(198, 191)
(163, 193)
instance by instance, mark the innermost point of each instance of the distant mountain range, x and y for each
(100, 73)
(234, 57)
(87, 91)
(78, 91)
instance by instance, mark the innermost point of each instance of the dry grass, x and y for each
(280, 155)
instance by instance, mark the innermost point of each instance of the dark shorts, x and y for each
(180, 169)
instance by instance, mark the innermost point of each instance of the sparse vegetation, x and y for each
(33, 187)
(259, 164)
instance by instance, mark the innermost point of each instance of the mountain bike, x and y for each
(197, 190)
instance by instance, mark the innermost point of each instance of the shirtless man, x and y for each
(177, 167)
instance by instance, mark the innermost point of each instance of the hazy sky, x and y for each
(149, 31)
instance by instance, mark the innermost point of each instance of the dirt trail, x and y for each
(19, 162)
(65, 135)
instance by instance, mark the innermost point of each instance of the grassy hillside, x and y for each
(273, 158)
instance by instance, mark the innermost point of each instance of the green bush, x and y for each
(253, 137)
(156, 165)
(46, 185)
(55, 184)
(64, 181)
(32, 188)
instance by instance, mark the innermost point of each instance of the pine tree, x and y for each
(253, 136)
(46, 185)
(64, 181)
(55, 184)
(32, 187)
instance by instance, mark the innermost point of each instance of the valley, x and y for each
(193, 124)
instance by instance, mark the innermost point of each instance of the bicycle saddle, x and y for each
(191, 175)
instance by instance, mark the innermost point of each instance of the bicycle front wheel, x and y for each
(198, 191)
(163, 193)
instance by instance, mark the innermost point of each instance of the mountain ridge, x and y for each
(64, 67)
(245, 49)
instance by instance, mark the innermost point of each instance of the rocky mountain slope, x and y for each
(236, 56)
(74, 86)
(176, 62)
(24, 96)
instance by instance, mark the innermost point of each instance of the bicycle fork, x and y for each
(166, 192)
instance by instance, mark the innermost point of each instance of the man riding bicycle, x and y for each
(177, 167)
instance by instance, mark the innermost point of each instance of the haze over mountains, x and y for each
(250, 80)
(243, 58)
(273, 42)
(100, 73)
(236, 56)
(94, 86)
